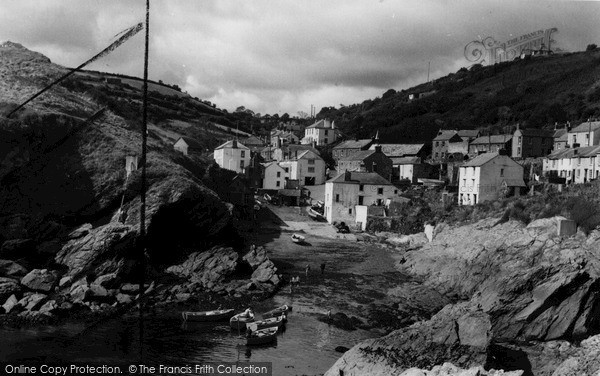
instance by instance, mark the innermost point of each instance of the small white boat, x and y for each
(240, 321)
(271, 322)
(298, 238)
(262, 336)
(279, 311)
(215, 315)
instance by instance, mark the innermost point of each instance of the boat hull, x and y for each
(239, 322)
(208, 316)
(262, 337)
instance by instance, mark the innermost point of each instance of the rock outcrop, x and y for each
(519, 285)
(42, 280)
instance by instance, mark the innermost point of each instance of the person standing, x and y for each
(307, 270)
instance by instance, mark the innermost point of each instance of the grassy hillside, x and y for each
(535, 92)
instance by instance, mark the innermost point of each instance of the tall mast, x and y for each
(142, 248)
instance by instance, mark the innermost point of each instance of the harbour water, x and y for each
(306, 346)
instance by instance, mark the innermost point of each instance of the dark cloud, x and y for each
(283, 56)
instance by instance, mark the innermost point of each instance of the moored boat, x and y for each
(215, 315)
(240, 321)
(298, 238)
(270, 322)
(279, 311)
(261, 336)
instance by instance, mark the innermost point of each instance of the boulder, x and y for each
(109, 281)
(17, 248)
(130, 288)
(65, 281)
(123, 298)
(80, 231)
(210, 267)
(80, 293)
(32, 301)
(10, 303)
(8, 287)
(11, 269)
(98, 293)
(265, 272)
(49, 307)
(43, 280)
(256, 256)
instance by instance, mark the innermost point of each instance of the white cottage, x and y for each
(308, 168)
(488, 177)
(233, 156)
(274, 176)
(320, 133)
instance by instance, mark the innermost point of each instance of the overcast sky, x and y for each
(276, 56)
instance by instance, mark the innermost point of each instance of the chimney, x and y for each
(333, 124)
(568, 126)
(518, 126)
(234, 145)
(347, 175)
(378, 149)
(502, 151)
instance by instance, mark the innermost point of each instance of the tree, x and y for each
(302, 115)
(591, 47)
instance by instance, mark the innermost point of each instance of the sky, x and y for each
(282, 56)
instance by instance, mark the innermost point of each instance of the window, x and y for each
(395, 191)
(311, 161)
(437, 143)
(326, 132)
(286, 169)
(574, 138)
(243, 153)
(337, 198)
(436, 155)
(578, 161)
(361, 187)
(241, 164)
(311, 169)
(519, 150)
(379, 191)
(325, 141)
(350, 211)
(278, 183)
(278, 174)
(361, 200)
(501, 172)
(519, 140)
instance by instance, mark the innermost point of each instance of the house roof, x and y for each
(495, 139)
(480, 160)
(399, 150)
(531, 132)
(354, 144)
(298, 147)
(586, 151)
(358, 156)
(468, 133)
(232, 144)
(320, 124)
(371, 178)
(192, 143)
(588, 126)
(306, 152)
(406, 160)
(445, 135)
(253, 140)
(559, 133)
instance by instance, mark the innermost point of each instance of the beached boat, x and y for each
(215, 315)
(269, 322)
(262, 336)
(315, 215)
(298, 238)
(240, 320)
(279, 311)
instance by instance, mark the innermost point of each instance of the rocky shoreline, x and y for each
(527, 297)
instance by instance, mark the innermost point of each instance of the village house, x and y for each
(531, 143)
(322, 132)
(233, 156)
(254, 141)
(399, 153)
(367, 161)
(351, 189)
(307, 167)
(284, 137)
(441, 144)
(491, 144)
(291, 151)
(575, 165)
(274, 176)
(412, 169)
(560, 137)
(585, 134)
(187, 146)
(349, 147)
(489, 176)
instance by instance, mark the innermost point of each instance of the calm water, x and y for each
(305, 347)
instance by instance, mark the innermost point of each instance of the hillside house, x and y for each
(291, 151)
(187, 146)
(232, 155)
(531, 143)
(399, 152)
(560, 137)
(254, 141)
(412, 169)
(445, 140)
(351, 189)
(308, 168)
(585, 134)
(274, 176)
(279, 137)
(349, 147)
(489, 176)
(491, 144)
(575, 165)
(367, 161)
(321, 133)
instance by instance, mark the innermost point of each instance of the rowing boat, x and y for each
(240, 320)
(262, 336)
(215, 315)
(279, 311)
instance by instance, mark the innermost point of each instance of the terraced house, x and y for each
(531, 143)
(575, 165)
(321, 133)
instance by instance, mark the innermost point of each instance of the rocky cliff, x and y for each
(521, 286)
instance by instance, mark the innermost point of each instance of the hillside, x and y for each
(536, 92)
